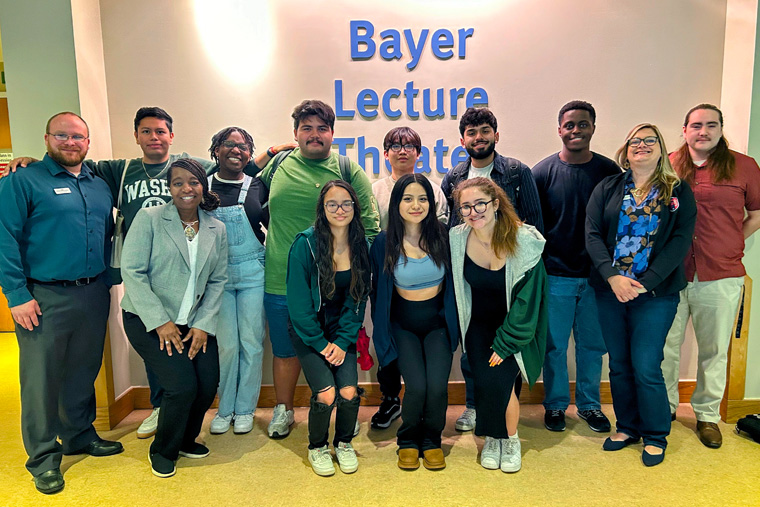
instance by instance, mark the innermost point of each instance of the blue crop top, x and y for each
(413, 274)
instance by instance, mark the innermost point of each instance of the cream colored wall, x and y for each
(752, 252)
(248, 65)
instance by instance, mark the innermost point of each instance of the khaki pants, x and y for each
(712, 307)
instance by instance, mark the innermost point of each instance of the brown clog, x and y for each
(408, 459)
(433, 459)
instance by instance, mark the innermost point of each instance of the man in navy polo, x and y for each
(55, 227)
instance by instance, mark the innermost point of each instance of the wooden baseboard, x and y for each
(733, 410)
(108, 417)
(373, 396)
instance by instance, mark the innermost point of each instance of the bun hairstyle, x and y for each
(210, 200)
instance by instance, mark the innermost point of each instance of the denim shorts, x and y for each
(280, 330)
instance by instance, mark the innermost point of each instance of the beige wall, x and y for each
(214, 67)
(250, 66)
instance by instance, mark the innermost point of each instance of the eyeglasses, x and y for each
(233, 144)
(333, 206)
(478, 207)
(65, 137)
(649, 141)
(407, 147)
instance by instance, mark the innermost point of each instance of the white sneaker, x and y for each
(243, 424)
(357, 428)
(466, 421)
(220, 424)
(321, 461)
(490, 456)
(149, 425)
(511, 455)
(279, 427)
(346, 457)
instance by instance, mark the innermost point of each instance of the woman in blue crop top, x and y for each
(414, 316)
(328, 283)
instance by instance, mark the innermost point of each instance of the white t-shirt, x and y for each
(483, 172)
(189, 298)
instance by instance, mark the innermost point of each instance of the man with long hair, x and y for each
(725, 184)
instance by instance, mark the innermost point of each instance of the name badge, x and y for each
(60, 191)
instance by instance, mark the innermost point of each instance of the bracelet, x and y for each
(270, 152)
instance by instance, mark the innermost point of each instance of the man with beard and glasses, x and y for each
(55, 228)
(480, 134)
(565, 181)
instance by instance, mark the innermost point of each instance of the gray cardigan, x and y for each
(155, 267)
(530, 245)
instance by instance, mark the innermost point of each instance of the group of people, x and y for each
(500, 259)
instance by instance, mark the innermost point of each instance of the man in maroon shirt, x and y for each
(725, 184)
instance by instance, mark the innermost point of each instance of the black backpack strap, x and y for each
(513, 176)
(345, 168)
(282, 155)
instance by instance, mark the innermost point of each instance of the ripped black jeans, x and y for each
(321, 376)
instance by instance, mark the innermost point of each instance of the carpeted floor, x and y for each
(566, 468)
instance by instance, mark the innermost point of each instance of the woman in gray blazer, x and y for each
(174, 266)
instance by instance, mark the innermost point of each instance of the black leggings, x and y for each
(424, 358)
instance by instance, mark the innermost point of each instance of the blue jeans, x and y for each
(635, 336)
(240, 328)
(280, 330)
(240, 335)
(572, 306)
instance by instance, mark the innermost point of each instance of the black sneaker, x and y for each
(160, 466)
(554, 420)
(195, 451)
(389, 411)
(596, 420)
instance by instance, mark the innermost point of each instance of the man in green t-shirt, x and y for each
(294, 187)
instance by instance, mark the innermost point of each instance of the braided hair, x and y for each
(222, 135)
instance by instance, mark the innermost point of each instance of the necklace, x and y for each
(189, 230)
(639, 192)
(160, 173)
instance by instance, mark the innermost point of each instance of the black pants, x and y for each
(189, 386)
(389, 378)
(424, 358)
(58, 363)
(322, 376)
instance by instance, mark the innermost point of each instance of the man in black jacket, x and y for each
(480, 134)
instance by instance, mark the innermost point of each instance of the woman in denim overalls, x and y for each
(240, 330)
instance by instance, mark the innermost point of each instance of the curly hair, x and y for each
(434, 239)
(357, 244)
(313, 108)
(209, 201)
(476, 116)
(222, 135)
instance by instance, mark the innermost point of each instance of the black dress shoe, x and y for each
(651, 460)
(49, 482)
(616, 445)
(100, 447)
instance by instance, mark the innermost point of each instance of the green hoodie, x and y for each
(305, 300)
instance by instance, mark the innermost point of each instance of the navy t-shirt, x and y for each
(564, 190)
